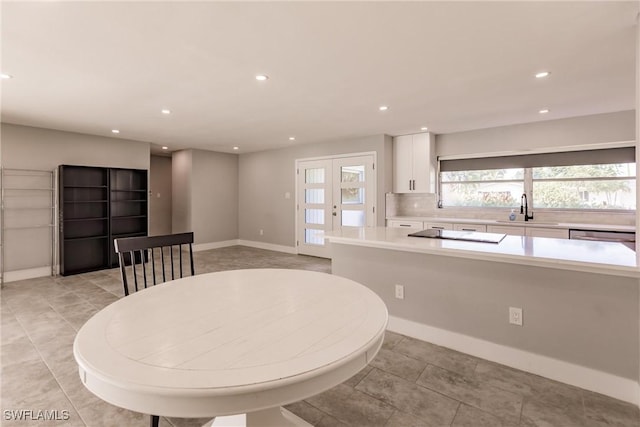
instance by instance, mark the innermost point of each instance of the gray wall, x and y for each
(214, 196)
(581, 318)
(266, 176)
(26, 147)
(160, 195)
(205, 195)
(181, 191)
(594, 129)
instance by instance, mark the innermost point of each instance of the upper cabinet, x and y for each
(414, 163)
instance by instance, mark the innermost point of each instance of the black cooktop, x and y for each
(471, 236)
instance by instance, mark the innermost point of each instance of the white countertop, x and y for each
(597, 257)
(519, 223)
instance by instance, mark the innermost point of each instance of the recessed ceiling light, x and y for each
(165, 148)
(424, 128)
(115, 131)
(383, 108)
(6, 76)
(236, 148)
(292, 138)
(262, 77)
(165, 111)
(542, 74)
(543, 111)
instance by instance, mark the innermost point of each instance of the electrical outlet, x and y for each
(515, 316)
(261, 232)
(399, 291)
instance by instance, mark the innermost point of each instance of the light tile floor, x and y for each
(410, 383)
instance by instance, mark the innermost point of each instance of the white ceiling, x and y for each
(94, 66)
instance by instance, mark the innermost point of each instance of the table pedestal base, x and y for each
(272, 417)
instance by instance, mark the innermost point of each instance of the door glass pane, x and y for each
(353, 196)
(314, 216)
(353, 218)
(314, 176)
(313, 237)
(352, 173)
(314, 195)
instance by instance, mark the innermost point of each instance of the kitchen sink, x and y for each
(521, 222)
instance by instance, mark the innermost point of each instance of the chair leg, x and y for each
(155, 421)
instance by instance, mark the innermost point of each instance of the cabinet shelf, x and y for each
(79, 239)
(116, 235)
(129, 201)
(128, 191)
(28, 189)
(84, 186)
(29, 227)
(128, 216)
(102, 218)
(32, 208)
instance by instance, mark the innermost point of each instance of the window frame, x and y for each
(528, 181)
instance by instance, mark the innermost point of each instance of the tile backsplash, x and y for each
(425, 205)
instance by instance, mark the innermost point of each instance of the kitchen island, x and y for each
(579, 300)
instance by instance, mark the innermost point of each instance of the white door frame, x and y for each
(374, 189)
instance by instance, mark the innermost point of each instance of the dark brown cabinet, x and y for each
(96, 206)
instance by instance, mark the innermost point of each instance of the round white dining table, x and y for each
(231, 342)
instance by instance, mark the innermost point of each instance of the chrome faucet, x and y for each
(524, 207)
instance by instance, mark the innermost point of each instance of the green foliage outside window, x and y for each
(608, 186)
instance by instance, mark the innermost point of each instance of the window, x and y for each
(609, 186)
(589, 179)
(482, 188)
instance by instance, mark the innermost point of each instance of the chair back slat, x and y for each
(153, 266)
(173, 276)
(164, 277)
(141, 250)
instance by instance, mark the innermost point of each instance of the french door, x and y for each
(331, 194)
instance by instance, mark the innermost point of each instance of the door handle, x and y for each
(334, 214)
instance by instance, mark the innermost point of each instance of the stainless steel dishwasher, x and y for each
(627, 238)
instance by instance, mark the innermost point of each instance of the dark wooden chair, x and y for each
(140, 251)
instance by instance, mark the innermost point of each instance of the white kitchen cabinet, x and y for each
(506, 229)
(414, 163)
(556, 233)
(437, 225)
(404, 224)
(470, 227)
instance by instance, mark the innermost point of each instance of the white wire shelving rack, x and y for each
(28, 206)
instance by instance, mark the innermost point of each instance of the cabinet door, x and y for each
(402, 163)
(556, 233)
(405, 224)
(470, 227)
(423, 172)
(438, 225)
(506, 229)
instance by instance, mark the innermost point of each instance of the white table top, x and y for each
(230, 342)
(579, 255)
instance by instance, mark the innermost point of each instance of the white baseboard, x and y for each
(214, 245)
(269, 246)
(250, 243)
(29, 273)
(617, 387)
